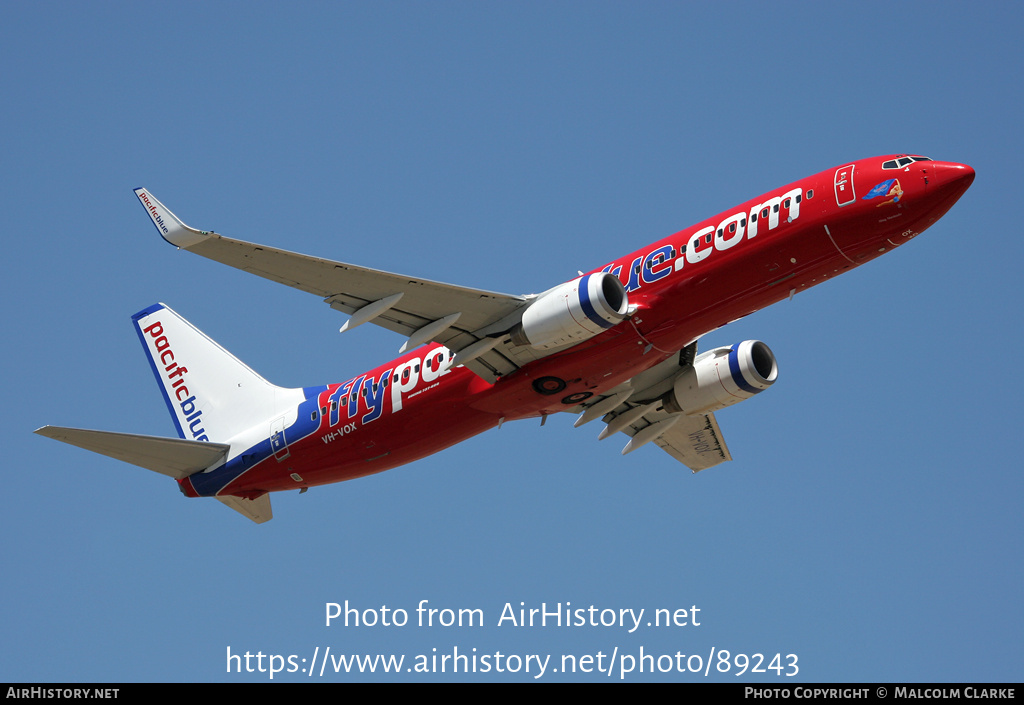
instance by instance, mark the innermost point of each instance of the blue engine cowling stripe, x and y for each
(737, 375)
(588, 308)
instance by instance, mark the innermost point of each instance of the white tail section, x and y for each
(211, 394)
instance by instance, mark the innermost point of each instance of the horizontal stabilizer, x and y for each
(256, 509)
(173, 457)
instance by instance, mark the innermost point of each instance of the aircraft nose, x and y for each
(951, 176)
(946, 183)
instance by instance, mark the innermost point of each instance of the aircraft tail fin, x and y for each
(211, 394)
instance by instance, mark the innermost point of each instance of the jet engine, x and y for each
(572, 312)
(722, 377)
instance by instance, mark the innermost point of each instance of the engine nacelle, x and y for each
(722, 377)
(572, 312)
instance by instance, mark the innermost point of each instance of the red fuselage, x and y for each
(683, 286)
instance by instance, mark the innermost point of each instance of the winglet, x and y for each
(168, 224)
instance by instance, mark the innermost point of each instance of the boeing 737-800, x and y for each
(618, 343)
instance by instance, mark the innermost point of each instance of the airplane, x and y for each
(618, 343)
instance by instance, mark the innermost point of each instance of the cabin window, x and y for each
(312, 417)
(810, 194)
(732, 227)
(707, 238)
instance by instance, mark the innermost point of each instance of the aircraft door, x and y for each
(843, 184)
(278, 442)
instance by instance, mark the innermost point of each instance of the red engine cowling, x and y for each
(572, 312)
(722, 377)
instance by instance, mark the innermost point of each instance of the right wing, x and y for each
(635, 408)
(695, 441)
(422, 310)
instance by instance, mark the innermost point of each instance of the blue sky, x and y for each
(870, 523)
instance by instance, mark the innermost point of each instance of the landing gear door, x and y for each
(278, 443)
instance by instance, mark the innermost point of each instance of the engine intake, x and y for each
(722, 377)
(572, 312)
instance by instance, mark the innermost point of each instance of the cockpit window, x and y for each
(902, 161)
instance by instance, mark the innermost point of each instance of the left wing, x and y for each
(420, 309)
